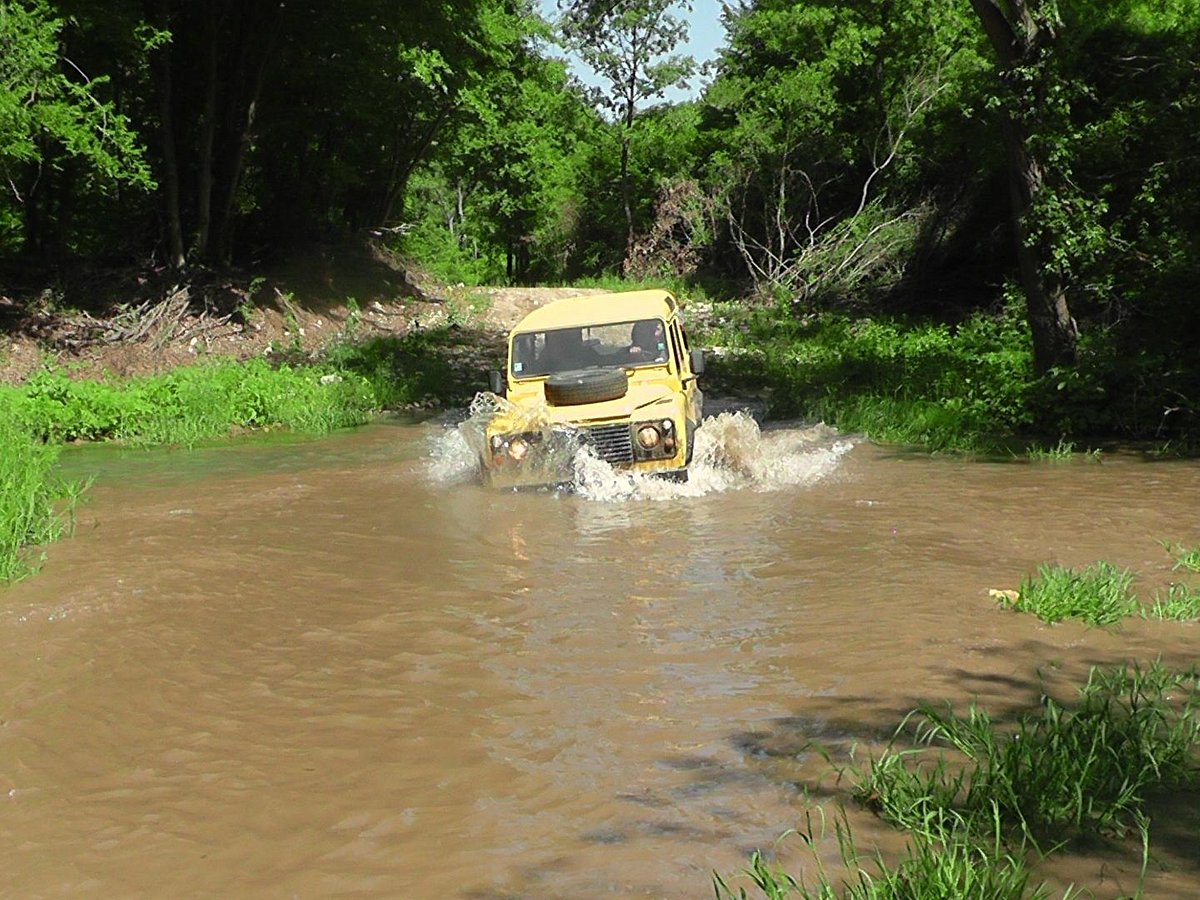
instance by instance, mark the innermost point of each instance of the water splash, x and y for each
(455, 453)
(732, 452)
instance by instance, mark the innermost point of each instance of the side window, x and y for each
(676, 343)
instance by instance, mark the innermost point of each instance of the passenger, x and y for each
(565, 350)
(647, 342)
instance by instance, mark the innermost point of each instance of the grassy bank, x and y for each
(979, 798)
(968, 387)
(210, 400)
(214, 398)
(34, 507)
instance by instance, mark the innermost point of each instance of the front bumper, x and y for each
(548, 458)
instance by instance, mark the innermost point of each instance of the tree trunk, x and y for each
(1054, 332)
(170, 175)
(256, 42)
(208, 131)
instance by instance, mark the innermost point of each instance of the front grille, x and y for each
(612, 443)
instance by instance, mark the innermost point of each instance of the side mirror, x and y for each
(698, 362)
(496, 382)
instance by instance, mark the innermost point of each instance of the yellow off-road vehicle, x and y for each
(613, 372)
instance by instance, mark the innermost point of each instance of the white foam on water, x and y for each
(456, 450)
(731, 453)
(450, 459)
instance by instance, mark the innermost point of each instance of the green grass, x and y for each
(213, 399)
(195, 404)
(967, 387)
(1057, 773)
(1180, 603)
(32, 508)
(1099, 594)
(953, 866)
(979, 798)
(1063, 451)
(1185, 557)
(188, 405)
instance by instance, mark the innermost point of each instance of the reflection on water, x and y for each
(342, 666)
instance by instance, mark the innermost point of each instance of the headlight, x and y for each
(497, 442)
(648, 436)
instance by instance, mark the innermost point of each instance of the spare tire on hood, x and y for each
(586, 386)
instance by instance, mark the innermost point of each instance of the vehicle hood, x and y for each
(643, 400)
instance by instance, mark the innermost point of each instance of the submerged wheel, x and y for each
(586, 386)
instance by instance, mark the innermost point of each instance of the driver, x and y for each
(565, 350)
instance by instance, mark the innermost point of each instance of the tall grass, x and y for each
(967, 387)
(1058, 772)
(979, 797)
(1179, 603)
(1099, 594)
(1187, 558)
(28, 497)
(953, 866)
(187, 405)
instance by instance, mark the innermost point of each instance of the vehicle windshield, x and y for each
(619, 344)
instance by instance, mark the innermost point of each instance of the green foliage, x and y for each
(188, 405)
(30, 512)
(631, 46)
(450, 258)
(45, 100)
(402, 371)
(1180, 603)
(952, 867)
(1185, 557)
(945, 388)
(36, 507)
(1059, 772)
(501, 201)
(819, 121)
(1098, 595)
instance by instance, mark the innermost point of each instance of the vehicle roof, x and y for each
(599, 309)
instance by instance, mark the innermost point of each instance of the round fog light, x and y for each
(648, 436)
(667, 424)
(517, 449)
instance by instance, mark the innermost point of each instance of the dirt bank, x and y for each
(125, 323)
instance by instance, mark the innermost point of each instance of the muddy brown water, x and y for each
(338, 667)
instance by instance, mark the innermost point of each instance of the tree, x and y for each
(629, 44)
(825, 130)
(209, 77)
(1023, 37)
(52, 114)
